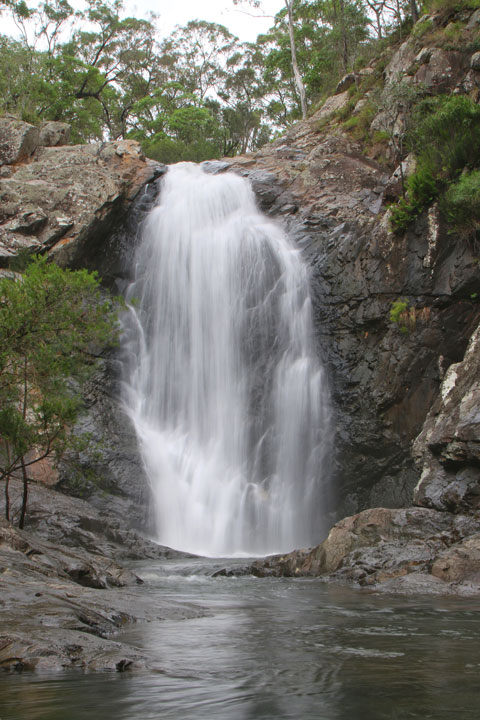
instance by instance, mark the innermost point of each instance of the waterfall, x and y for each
(222, 381)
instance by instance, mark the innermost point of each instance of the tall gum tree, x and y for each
(289, 6)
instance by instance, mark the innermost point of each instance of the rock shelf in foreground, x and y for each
(64, 592)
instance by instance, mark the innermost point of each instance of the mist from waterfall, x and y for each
(222, 381)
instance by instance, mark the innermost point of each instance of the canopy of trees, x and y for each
(197, 94)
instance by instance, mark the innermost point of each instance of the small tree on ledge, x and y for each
(51, 322)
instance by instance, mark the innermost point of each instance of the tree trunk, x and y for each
(296, 73)
(343, 30)
(22, 461)
(7, 498)
(7, 483)
(399, 18)
(379, 25)
(25, 495)
(414, 11)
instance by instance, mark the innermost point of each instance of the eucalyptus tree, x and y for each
(207, 100)
(244, 99)
(293, 50)
(288, 13)
(111, 61)
(311, 44)
(326, 47)
(196, 56)
(85, 67)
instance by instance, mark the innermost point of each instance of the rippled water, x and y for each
(272, 648)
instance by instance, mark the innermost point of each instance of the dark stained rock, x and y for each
(346, 82)
(110, 474)
(383, 380)
(444, 70)
(88, 570)
(71, 522)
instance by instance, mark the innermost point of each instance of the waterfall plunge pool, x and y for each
(274, 648)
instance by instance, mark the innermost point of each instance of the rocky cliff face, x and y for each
(447, 451)
(64, 199)
(393, 386)
(383, 380)
(82, 205)
(333, 199)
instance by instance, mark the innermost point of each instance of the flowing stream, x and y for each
(274, 649)
(223, 382)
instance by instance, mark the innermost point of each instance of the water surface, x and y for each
(275, 648)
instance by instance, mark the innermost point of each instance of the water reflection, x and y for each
(276, 649)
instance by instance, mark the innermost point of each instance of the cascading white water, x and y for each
(224, 387)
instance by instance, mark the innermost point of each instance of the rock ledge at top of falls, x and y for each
(64, 199)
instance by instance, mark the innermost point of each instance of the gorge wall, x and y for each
(333, 198)
(73, 202)
(407, 404)
(384, 381)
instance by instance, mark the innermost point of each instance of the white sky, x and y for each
(238, 19)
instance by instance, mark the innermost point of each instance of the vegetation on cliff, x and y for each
(51, 321)
(446, 143)
(197, 94)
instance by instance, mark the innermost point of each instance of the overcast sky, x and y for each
(240, 20)
(224, 12)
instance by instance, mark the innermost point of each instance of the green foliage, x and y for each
(446, 141)
(168, 150)
(447, 6)
(422, 28)
(421, 190)
(380, 136)
(51, 322)
(327, 37)
(109, 77)
(397, 309)
(19, 262)
(461, 203)
(198, 93)
(402, 214)
(446, 137)
(399, 314)
(453, 31)
(359, 124)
